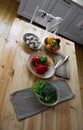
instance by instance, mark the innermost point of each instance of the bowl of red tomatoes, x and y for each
(41, 65)
(52, 44)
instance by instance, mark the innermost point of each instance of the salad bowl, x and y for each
(46, 92)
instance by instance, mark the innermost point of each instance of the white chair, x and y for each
(47, 20)
(39, 16)
(53, 23)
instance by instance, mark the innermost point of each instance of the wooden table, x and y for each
(15, 75)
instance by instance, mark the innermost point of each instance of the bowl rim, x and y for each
(50, 104)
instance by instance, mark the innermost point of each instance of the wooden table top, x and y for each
(15, 75)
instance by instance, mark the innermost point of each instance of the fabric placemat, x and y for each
(26, 103)
(64, 70)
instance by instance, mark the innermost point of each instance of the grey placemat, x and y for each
(26, 104)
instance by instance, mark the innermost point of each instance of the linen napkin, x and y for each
(64, 70)
(26, 103)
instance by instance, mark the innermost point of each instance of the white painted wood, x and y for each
(72, 26)
(27, 7)
(60, 8)
(79, 2)
(55, 7)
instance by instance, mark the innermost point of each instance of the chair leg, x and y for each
(34, 15)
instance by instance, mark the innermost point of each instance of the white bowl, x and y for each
(51, 69)
(32, 41)
(50, 104)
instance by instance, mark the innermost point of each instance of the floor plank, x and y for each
(79, 54)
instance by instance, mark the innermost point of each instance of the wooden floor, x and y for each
(8, 11)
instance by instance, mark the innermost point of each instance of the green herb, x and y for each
(38, 86)
(45, 91)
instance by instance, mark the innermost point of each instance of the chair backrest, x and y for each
(53, 23)
(45, 19)
(39, 16)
